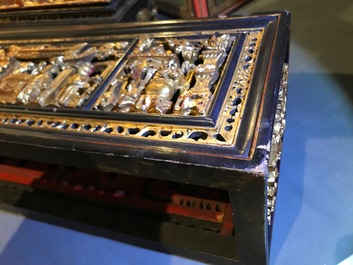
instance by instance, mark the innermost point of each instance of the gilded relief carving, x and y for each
(51, 75)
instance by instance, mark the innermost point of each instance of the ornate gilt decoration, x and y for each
(154, 75)
(49, 75)
(167, 77)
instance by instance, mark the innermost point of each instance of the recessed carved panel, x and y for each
(169, 76)
(52, 75)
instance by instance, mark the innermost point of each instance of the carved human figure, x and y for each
(195, 100)
(162, 87)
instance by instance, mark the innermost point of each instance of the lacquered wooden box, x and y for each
(198, 103)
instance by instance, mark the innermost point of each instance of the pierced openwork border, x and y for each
(223, 134)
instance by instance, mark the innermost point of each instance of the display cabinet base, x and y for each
(176, 220)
